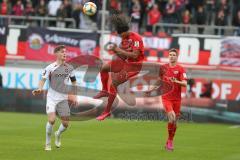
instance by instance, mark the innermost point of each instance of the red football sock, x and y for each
(171, 130)
(174, 129)
(111, 97)
(104, 79)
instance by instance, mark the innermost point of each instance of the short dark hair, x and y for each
(173, 50)
(59, 48)
(120, 23)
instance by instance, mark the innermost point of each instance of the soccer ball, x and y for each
(89, 8)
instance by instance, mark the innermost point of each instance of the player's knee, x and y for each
(171, 117)
(105, 68)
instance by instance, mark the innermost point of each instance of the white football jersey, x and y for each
(58, 76)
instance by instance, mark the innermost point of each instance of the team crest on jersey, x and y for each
(175, 72)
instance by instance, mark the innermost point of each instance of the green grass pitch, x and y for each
(22, 137)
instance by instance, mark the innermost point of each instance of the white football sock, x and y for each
(49, 128)
(61, 129)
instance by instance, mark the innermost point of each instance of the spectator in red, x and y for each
(186, 19)
(18, 8)
(29, 10)
(115, 5)
(5, 8)
(153, 17)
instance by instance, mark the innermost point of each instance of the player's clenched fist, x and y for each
(37, 91)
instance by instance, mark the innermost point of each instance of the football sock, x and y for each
(104, 79)
(171, 130)
(49, 128)
(111, 98)
(61, 129)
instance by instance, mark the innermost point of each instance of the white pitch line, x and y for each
(234, 127)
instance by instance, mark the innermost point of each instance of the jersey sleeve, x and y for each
(183, 74)
(46, 72)
(72, 75)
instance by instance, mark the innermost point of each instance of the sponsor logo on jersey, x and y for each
(136, 44)
(175, 72)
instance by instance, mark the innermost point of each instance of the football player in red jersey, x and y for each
(127, 63)
(172, 100)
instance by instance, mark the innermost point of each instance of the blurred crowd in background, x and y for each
(144, 13)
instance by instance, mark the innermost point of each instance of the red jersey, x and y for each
(133, 42)
(4, 8)
(179, 73)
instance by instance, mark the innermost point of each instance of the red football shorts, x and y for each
(172, 105)
(123, 70)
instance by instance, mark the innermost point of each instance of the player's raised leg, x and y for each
(107, 110)
(49, 130)
(104, 80)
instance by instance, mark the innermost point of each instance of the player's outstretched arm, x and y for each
(183, 83)
(40, 87)
(154, 87)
